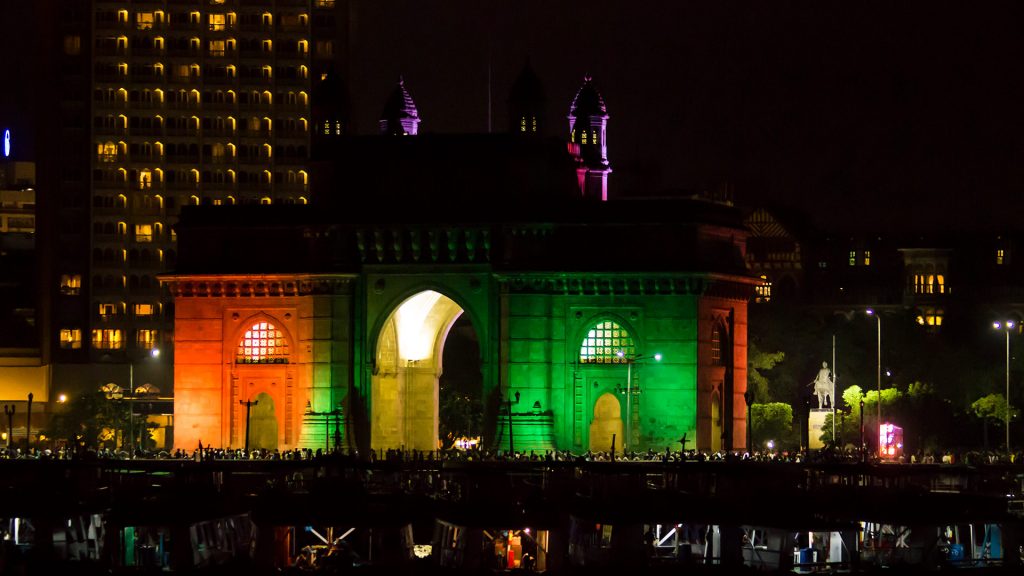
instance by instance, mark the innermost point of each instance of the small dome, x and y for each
(588, 101)
(399, 104)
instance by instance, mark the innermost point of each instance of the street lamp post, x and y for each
(154, 353)
(336, 413)
(9, 412)
(1006, 327)
(627, 442)
(248, 410)
(28, 424)
(748, 396)
(878, 424)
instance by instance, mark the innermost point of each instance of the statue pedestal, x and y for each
(816, 427)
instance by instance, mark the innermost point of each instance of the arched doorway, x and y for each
(716, 420)
(607, 423)
(263, 423)
(406, 373)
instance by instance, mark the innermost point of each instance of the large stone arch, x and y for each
(407, 367)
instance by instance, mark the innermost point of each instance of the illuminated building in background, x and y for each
(159, 105)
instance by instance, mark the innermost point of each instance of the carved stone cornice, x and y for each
(425, 245)
(255, 285)
(590, 284)
(632, 284)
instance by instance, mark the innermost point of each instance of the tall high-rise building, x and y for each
(160, 104)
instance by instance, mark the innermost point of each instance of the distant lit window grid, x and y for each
(607, 343)
(764, 290)
(929, 284)
(1000, 256)
(263, 344)
(152, 21)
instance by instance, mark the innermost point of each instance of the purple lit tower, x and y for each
(588, 123)
(400, 117)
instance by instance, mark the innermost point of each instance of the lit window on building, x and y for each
(217, 21)
(143, 310)
(764, 290)
(144, 20)
(607, 343)
(216, 47)
(73, 45)
(929, 284)
(143, 232)
(71, 284)
(1000, 257)
(853, 257)
(146, 339)
(107, 152)
(109, 309)
(262, 344)
(71, 338)
(107, 339)
(931, 317)
(867, 257)
(716, 345)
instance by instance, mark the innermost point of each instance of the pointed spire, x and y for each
(400, 116)
(588, 101)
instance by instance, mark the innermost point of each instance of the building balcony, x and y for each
(109, 238)
(147, 79)
(221, 80)
(157, 131)
(110, 131)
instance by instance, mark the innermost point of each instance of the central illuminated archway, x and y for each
(406, 371)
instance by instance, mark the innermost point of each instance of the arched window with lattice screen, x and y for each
(607, 343)
(262, 344)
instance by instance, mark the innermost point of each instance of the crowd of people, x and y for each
(827, 455)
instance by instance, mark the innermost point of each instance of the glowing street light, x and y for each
(629, 390)
(146, 389)
(1006, 327)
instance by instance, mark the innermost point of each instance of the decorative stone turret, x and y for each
(400, 117)
(588, 122)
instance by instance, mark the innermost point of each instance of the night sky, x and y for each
(882, 113)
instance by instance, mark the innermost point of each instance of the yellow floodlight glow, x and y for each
(415, 338)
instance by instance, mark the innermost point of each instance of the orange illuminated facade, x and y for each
(257, 339)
